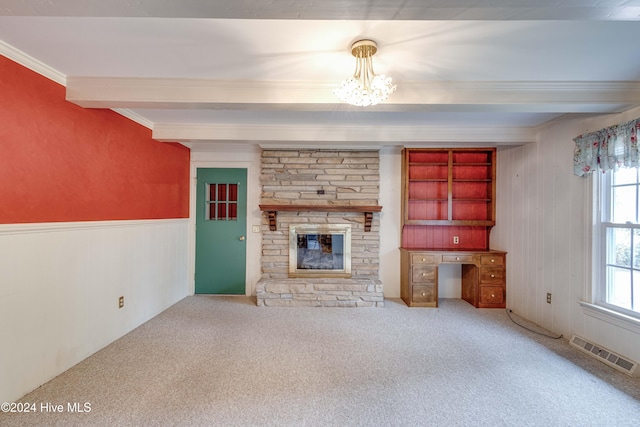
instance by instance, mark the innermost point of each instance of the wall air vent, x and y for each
(606, 356)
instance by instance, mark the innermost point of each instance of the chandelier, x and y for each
(365, 87)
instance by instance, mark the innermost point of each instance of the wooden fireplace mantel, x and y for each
(368, 211)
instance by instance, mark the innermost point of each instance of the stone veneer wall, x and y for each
(347, 178)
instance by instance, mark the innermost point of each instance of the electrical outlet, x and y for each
(120, 302)
(548, 298)
(456, 240)
(255, 228)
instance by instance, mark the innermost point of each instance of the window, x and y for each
(221, 202)
(618, 287)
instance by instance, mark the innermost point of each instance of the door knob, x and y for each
(241, 237)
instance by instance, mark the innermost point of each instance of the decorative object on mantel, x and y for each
(273, 209)
(365, 87)
(607, 149)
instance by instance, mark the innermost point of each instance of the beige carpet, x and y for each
(222, 361)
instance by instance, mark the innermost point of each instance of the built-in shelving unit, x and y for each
(448, 210)
(449, 187)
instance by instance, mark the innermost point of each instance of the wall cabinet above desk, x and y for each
(448, 193)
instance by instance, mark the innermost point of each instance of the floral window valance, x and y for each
(607, 149)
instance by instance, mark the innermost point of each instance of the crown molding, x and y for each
(132, 115)
(32, 63)
(52, 74)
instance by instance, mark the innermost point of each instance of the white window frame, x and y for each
(596, 304)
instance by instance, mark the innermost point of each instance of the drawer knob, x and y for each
(493, 275)
(424, 259)
(493, 260)
(424, 274)
(424, 294)
(457, 258)
(493, 295)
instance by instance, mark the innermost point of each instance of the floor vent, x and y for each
(606, 356)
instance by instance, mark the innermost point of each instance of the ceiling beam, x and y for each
(379, 134)
(560, 97)
(330, 9)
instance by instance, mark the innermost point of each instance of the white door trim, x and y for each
(252, 206)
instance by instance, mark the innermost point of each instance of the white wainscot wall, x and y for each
(59, 290)
(544, 223)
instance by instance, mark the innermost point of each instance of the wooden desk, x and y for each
(483, 276)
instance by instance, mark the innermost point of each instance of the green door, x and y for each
(221, 224)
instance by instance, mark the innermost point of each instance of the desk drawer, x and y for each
(491, 295)
(460, 259)
(423, 259)
(423, 273)
(492, 260)
(424, 293)
(491, 275)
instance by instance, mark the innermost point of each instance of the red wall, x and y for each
(60, 162)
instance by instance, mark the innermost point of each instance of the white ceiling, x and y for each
(203, 72)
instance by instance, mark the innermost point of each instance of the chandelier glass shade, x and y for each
(365, 87)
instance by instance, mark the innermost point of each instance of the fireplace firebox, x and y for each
(322, 250)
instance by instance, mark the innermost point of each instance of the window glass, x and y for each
(222, 211)
(625, 176)
(222, 192)
(233, 192)
(620, 247)
(624, 204)
(636, 248)
(619, 287)
(222, 202)
(212, 192)
(635, 291)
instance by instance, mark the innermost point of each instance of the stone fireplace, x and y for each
(320, 229)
